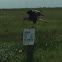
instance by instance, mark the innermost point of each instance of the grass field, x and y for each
(48, 36)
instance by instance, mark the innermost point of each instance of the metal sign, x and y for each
(28, 36)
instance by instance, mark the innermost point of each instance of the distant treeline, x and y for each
(27, 8)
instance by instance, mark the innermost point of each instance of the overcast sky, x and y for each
(30, 3)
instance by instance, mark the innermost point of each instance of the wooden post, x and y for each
(28, 40)
(30, 51)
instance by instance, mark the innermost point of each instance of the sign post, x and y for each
(28, 40)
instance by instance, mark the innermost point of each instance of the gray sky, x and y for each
(30, 3)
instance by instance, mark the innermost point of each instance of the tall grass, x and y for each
(48, 36)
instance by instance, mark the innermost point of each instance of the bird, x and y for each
(34, 15)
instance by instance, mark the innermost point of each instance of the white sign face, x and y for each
(28, 36)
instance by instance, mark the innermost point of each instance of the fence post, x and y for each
(30, 50)
(28, 40)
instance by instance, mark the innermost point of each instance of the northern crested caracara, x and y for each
(34, 15)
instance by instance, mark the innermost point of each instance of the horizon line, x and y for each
(29, 7)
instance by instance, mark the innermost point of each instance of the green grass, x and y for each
(48, 36)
